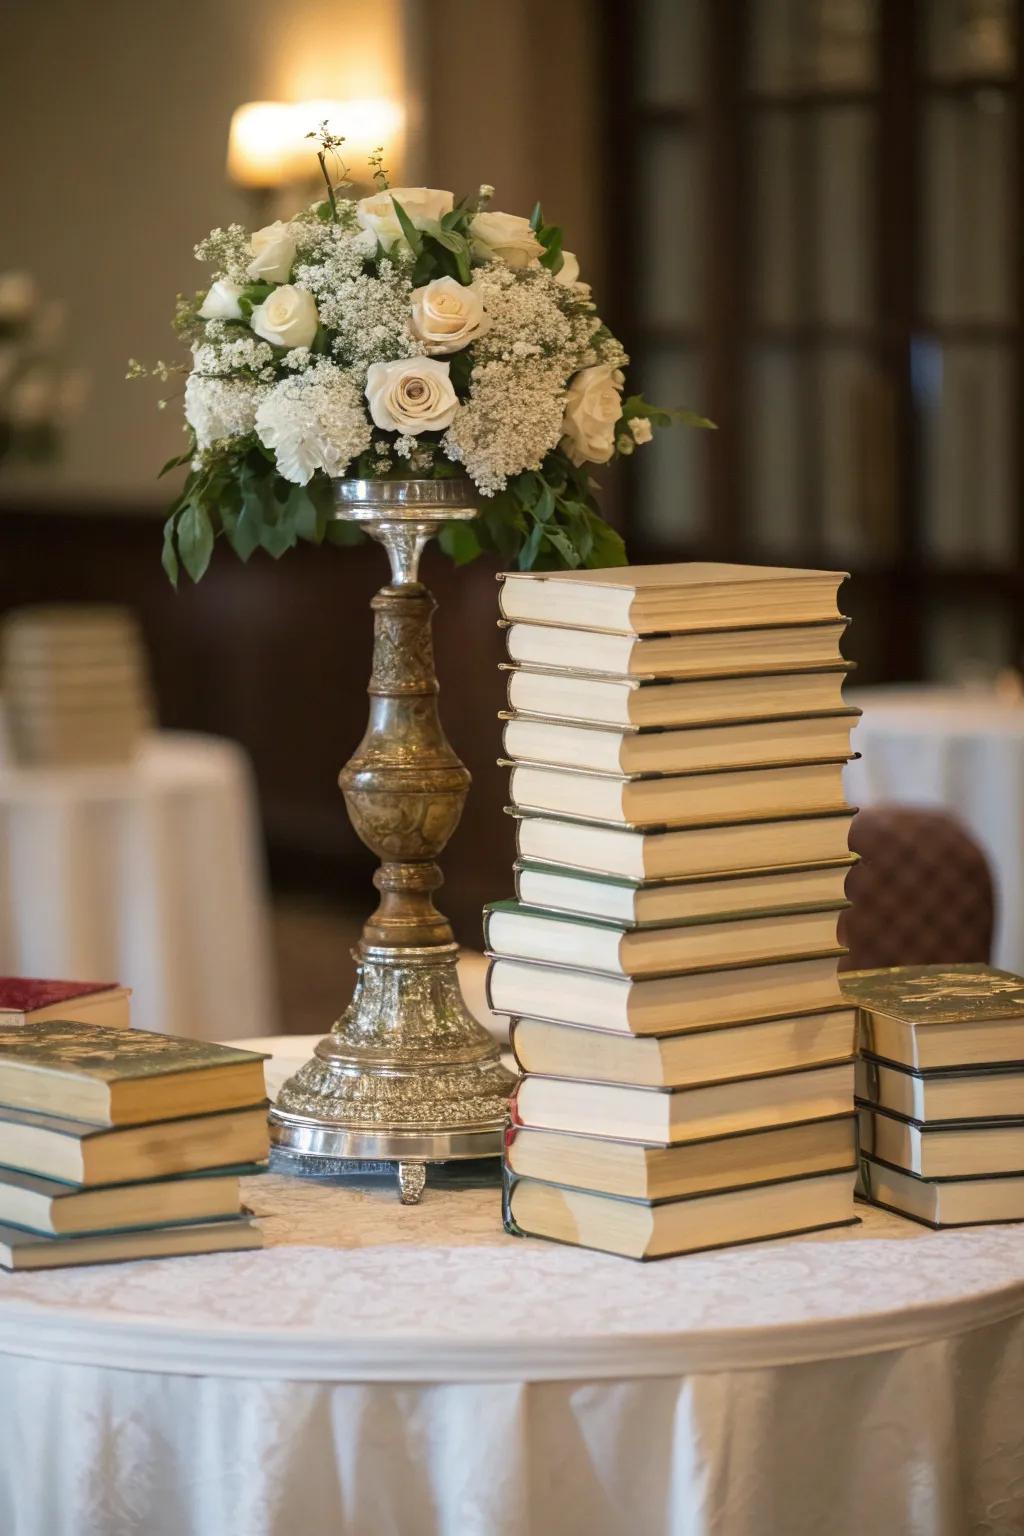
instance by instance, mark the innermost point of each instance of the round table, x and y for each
(962, 749)
(150, 874)
(380, 1370)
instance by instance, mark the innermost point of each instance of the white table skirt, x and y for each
(962, 749)
(149, 874)
(382, 1369)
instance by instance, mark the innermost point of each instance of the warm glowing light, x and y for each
(268, 144)
(261, 144)
(365, 125)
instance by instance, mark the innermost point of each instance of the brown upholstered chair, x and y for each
(921, 894)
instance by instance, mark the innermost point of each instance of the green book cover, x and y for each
(517, 909)
(111, 1055)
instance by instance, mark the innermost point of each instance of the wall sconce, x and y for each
(261, 144)
(268, 148)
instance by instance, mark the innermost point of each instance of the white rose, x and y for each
(286, 318)
(422, 204)
(447, 316)
(506, 236)
(568, 273)
(221, 303)
(273, 251)
(414, 395)
(593, 406)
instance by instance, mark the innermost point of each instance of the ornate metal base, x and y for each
(406, 1077)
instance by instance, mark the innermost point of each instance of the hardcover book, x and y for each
(122, 1077)
(953, 1093)
(60, 1210)
(671, 599)
(652, 1173)
(688, 799)
(660, 701)
(654, 903)
(27, 1250)
(927, 1016)
(673, 852)
(698, 653)
(950, 1203)
(637, 1230)
(678, 1060)
(663, 1005)
(76, 1152)
(947, 1151)
(658, 749)
(26, 1000)
(667, 1116)
(528, 933)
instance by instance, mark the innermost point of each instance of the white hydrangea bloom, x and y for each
(513, 417)
(314, 420)
(218, 408)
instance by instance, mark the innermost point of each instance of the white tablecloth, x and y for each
(381, 1370)
(962, 749)
(150, 875)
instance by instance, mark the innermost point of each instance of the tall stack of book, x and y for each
(940, 1090)
(121, 1144)
(676, 736)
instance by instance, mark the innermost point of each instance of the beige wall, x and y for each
(115, 115)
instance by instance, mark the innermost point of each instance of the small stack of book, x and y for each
(29, 1000)
(676, 737)
(940, 1089)
(121, 1144)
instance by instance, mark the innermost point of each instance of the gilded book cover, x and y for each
(936, 994)
(111, 1055)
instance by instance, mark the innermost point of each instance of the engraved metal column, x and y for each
(406, 1075)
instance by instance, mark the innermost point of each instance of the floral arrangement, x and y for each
(38, 395)
(401, 334)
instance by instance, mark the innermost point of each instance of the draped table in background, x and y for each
(406, 1371)
(149, 874)
(962, 749)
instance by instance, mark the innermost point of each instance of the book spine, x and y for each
(487, 934)
(508, 1184)
(514, 1117)
(512, 1031)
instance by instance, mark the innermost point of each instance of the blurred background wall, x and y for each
(801, 215)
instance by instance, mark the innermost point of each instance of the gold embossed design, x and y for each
(934, 994)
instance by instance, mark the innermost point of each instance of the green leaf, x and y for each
(195, 540)
(305, 516)
(324, 211)
(529, 551)
(175, 463)
(544, 507)
(342, 533)
(459, 542)
(536, 218)
(560, 541)
(460, 368)
(169, 557)
(409, 230)
(608, 547)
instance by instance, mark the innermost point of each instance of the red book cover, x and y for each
(23, 994)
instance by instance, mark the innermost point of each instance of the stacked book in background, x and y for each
(677, 736)
(75, 684)
(940, 1090)
(120, 1144)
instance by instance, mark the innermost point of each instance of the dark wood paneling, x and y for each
(276, 655)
